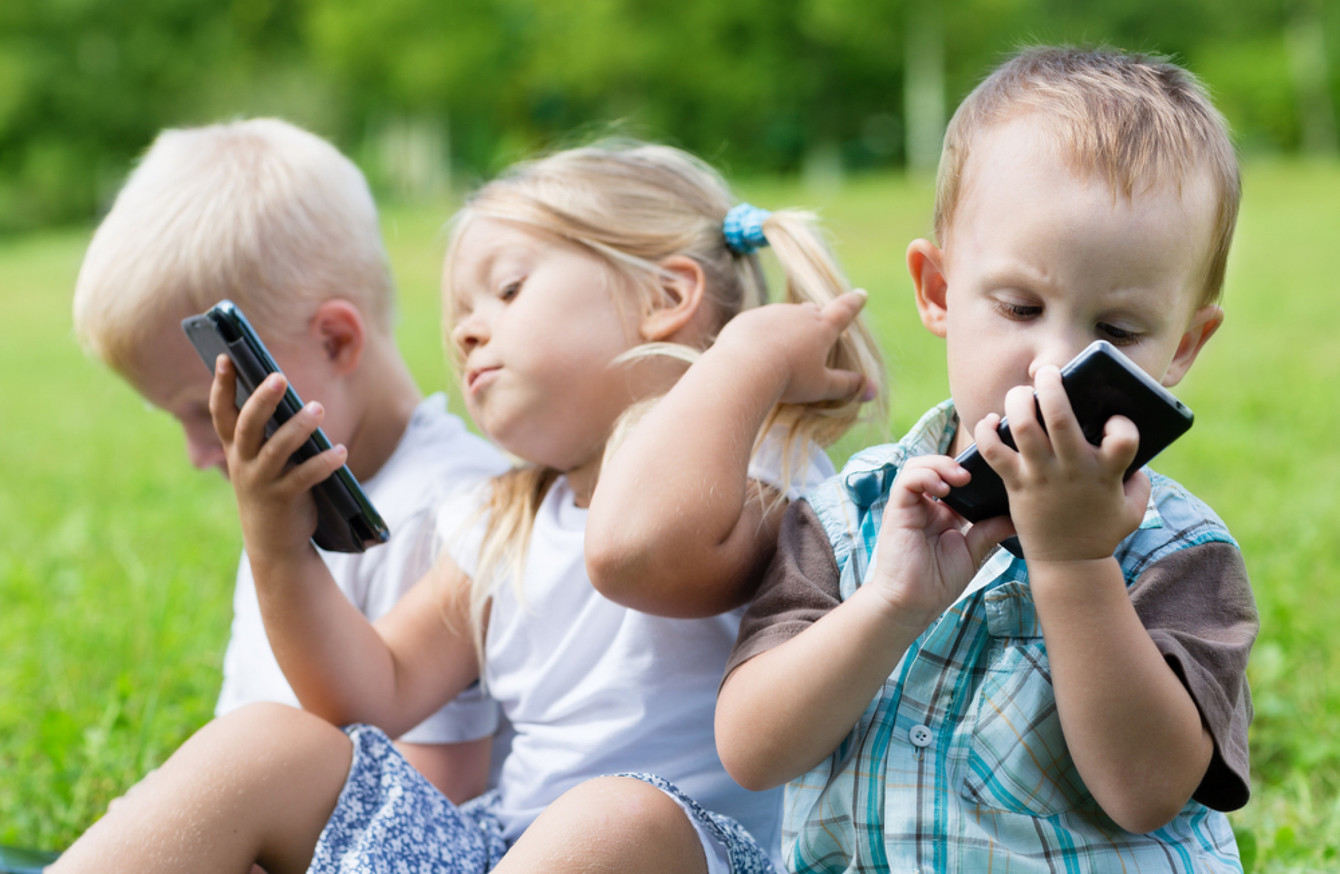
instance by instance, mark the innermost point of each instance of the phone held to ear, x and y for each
(1101, 383)
(346, 519)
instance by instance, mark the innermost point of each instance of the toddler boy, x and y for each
(936, 703)
(276, 219)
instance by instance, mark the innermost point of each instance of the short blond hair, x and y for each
(259, 211)
(1137, 121)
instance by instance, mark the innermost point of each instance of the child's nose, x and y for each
(469, 333)
(1056, 354)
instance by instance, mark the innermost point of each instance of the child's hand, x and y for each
(928, 554)
(1067, 497)
(796, 339)
(278, 513)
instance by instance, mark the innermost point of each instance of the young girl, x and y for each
(563, 280)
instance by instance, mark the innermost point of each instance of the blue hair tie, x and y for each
(743, 228)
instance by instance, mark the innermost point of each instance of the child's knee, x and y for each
(272, 717)
(610, 824)
(286, 736)
(626, 805)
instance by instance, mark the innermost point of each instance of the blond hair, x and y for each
(1137, 121)
(635, 204)
(258, 211)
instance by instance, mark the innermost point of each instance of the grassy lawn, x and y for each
(117, 559)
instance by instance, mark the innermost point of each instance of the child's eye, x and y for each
(1117, 336)
(510, 290)
(1019, 312)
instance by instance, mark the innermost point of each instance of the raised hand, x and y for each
(273, 495)
(796, 339)
(1067, 497)
(932, 552)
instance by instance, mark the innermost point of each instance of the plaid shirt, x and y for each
(959, 764)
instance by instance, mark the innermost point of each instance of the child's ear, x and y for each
(682, 287)
(1204, 323)
(338, 326)
(925, 261)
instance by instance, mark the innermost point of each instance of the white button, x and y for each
(920, 736)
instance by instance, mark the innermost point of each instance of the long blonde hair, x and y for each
(635, 204)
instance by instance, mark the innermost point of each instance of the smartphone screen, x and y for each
(346, 519)
(1101, 383)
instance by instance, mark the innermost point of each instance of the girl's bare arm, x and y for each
(676, 526)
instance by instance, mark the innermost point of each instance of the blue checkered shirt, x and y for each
(959, 764)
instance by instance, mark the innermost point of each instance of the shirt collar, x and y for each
(867, 476)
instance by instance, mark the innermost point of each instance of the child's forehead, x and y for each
(487, 246)
(1030, 147)
(1086, 149)
(481, 242)
(1021, 206)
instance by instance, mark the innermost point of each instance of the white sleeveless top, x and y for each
(594, 688)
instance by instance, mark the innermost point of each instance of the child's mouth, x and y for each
(477, 379)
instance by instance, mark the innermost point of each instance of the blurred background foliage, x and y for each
(419, 90)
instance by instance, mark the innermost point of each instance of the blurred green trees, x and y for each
(418, 88)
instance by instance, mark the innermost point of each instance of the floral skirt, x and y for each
(390, 819)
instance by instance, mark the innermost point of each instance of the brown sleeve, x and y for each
(799, 586)
(1197, 606)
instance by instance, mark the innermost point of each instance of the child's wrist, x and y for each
(1051, 542)
(1074, 576)
(741, 354)
(896, 615)
(280, 564)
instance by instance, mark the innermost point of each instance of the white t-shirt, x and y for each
(436, 455)
(593, 688)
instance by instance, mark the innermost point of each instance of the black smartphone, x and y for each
(1101, 383)
(346, 519)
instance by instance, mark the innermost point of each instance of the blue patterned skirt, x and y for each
(391, 820)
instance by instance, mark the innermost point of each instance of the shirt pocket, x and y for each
(1018, 760)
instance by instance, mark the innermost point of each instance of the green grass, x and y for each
(117, 560)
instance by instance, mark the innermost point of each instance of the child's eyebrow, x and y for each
(479, 273)
(506, 256)
(1018, 276)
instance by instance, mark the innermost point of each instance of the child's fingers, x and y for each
(1121, 440)
(927, 475)
(985, 436)
(289, 437)
(316, 469)
(842, 310)
(249, 434)
(1063, 430)
(983, 536)
(848, 383)
(1021, 409)
(1137, 490)
(223, 399)
(1000, 457)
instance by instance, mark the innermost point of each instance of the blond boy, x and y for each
(276, 219)
(936, 703)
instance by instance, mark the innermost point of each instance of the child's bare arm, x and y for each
(784, 711)
(676, 526)
(1133, 730)
(339, 665)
